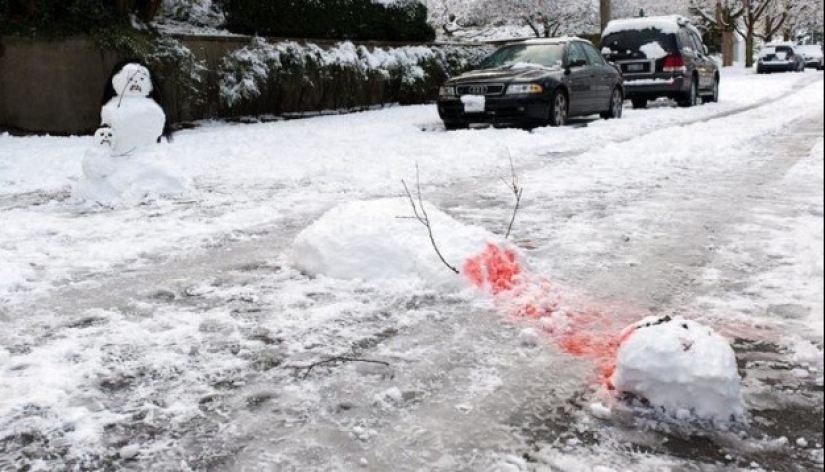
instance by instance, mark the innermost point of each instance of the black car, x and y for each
(661, 57)
(534, 83)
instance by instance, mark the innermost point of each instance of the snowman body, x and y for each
(136, 119)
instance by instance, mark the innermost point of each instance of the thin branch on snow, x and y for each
(423, 218)
(517, 192)
(339, 359)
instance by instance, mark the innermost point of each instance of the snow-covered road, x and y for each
(172, 336)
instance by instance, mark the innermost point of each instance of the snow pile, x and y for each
(382, 239)
(666, 24)
(128, 180)
(681, 366)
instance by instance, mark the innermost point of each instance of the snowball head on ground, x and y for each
(128, 180)
(382, 239)
(681, 366)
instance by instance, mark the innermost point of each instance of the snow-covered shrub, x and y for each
(287, 76)
(183, 74)
(194, 12)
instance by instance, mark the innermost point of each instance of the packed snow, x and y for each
(386, 240)
(178, 334)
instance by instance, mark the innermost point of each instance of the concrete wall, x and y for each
(53, 87)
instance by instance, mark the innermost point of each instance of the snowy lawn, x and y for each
(150, 335)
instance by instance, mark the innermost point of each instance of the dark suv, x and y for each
(661, 57)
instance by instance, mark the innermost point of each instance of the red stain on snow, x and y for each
(580, 329)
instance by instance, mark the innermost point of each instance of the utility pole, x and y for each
(604, 12)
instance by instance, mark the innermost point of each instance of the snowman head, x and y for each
(105, 136)
(132, 80)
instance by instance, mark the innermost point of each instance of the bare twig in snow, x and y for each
(423, 217)
(517, 192)
(340, 359)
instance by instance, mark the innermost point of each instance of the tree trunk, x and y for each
(605, 12)
(749, 46)
(727, 47)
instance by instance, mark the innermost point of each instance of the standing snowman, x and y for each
(131, 108)
(125, 166)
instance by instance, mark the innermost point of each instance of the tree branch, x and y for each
(336, 359)
(424, 218)
(517, 192)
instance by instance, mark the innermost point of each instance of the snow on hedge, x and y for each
(194, 12)
(382, 240)
(680, 366)
(245, 72)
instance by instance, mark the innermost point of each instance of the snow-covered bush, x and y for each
(194, 12)
(271, 78)
(183, 74)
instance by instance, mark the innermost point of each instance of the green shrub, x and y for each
(330, 19)
(57, 18)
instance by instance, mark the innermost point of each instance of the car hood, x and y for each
(508, 74)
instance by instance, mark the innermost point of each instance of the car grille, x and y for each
(480, 89)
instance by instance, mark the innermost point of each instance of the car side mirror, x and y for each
(577, 63)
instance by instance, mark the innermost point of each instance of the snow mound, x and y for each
(128, 180)
(681, 366)
(382, 239)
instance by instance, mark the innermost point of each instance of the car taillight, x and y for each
(674, 64)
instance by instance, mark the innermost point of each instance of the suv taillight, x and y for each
(674, 63)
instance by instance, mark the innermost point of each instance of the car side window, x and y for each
(700, 46)
(593, 56)
(575, 53)
(687, 42)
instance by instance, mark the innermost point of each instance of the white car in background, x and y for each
(812, 53)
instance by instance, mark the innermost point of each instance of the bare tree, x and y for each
(546, 18)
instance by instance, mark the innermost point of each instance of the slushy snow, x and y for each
(383, 239)
(681, 366)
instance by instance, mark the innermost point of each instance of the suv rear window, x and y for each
(638, 44)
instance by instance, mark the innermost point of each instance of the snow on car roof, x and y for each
(667, 24)
(562, 39)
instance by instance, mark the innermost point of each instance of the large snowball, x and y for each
(136, 122)
(128, 180)
(382, 239)
(681, 366)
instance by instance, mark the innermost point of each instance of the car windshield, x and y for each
(547, 55)
(638, 44)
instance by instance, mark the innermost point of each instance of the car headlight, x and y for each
(524, 89)
(446, 92)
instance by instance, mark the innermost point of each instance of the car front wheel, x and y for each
(559, 109)
(616, 106)
(714, 96)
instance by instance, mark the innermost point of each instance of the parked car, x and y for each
(662, 57)
(812, 55)
(534, 83)
(779, 57)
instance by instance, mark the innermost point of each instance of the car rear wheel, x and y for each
(616, 106)
(639, 103)
(559, 109)
(456, 125)
(691, 99)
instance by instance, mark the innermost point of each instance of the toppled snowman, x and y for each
(680, 366)
(126, 166)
